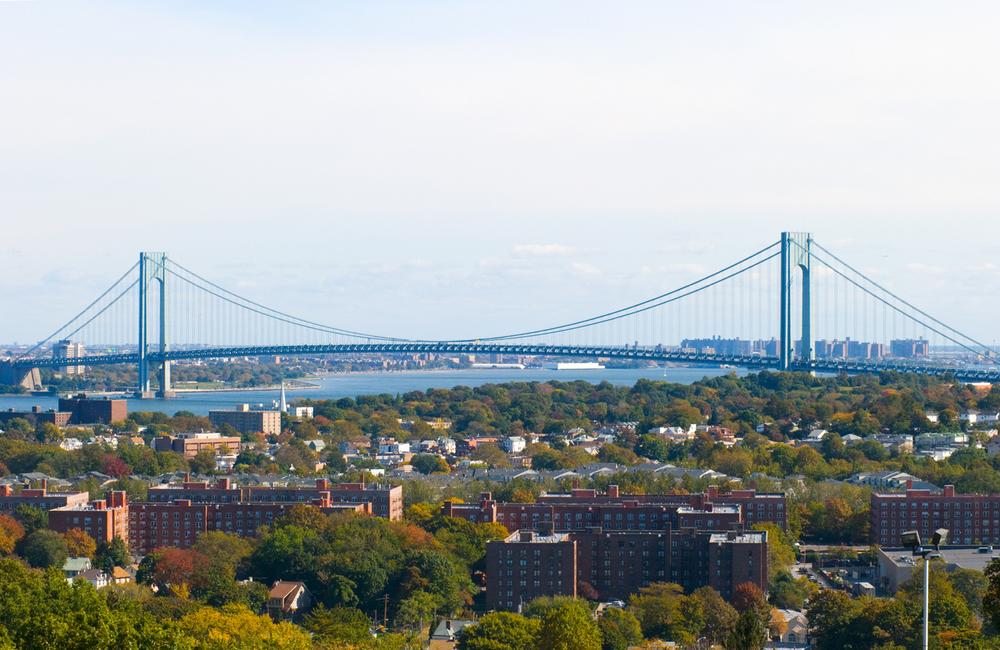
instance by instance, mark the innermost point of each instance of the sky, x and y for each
(449, 169)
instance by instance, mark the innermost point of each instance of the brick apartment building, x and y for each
(614, 564)
(581, 509)
(39, 498)
(178, 523)
(247, 420)
(969, 518)
(87, 410)
(386, 502)
(37, 416)
(190, 444)
(102, 519)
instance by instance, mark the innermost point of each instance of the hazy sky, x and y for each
(443, 169)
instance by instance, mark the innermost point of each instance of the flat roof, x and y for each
(964, 557)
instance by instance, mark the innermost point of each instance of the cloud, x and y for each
(925, 269)
(541, 250)
(584, 268)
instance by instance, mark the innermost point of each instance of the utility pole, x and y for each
(385, 611)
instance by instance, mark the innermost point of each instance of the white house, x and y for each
(513, 444)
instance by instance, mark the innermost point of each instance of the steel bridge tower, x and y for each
(795, 252)
(152, 268)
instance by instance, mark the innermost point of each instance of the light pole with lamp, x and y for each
(911, 540)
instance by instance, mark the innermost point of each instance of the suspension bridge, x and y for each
(791, 305)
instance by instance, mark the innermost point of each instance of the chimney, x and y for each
(6, 490)
(613, 491)
(949, 490)
(99, 504)
(36, 409)
(322, 484)
(223, 483)
(45, 486)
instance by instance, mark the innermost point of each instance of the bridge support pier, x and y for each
(795, 252)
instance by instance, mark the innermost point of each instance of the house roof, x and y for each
(76, 564)
(119, 573)
(283, 588)
(448, 630)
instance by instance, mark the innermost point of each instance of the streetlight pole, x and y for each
(911, 540)
(927, 598)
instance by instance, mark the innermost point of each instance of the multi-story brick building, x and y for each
(87, 410)
(36, 416)
(39, 498)
(179, 522)
(382, 501)
(612, 564)
(969, 518)
(190, 444)
(527, 565)
(102, 519)
(247, 420)
(581, 509)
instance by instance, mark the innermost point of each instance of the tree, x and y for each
(343, 624)
(79, 543)
(44, 548)
(750, 632)
(500, 631)
(720, 617)
(971, 585)
(235, 626)
(11, 532)
(203, 462)
(111, 554)
(569, 626)
(416, 609)
(115, 466)
(619, 629)
(665, 612)
(31, 517)
(430, 464)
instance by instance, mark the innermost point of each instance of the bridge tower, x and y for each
(152, 268)
(795, 252)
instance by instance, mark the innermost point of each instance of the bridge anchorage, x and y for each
(791, 305)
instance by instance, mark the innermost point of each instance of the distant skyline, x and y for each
(450, 169)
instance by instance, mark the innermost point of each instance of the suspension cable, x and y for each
(80, 313)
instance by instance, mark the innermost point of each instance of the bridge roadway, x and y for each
(750, 362)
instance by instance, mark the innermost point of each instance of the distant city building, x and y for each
(66, 349)
(909, 348)
(36, 416)
(247, 420)
(848, 349)
(94, 410)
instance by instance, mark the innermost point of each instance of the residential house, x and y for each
(287, 599)
(445, 635)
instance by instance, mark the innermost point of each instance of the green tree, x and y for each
(419, 608)
(500, 631)
(750, 632)
(569, 626)
(343, 624)
(112, 554)
(44, 548)
(31, 517)
(719, 616)
(429, 464)
(619, 629)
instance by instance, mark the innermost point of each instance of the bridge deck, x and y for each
(752, 362)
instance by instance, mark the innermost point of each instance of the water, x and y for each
(369, 383)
